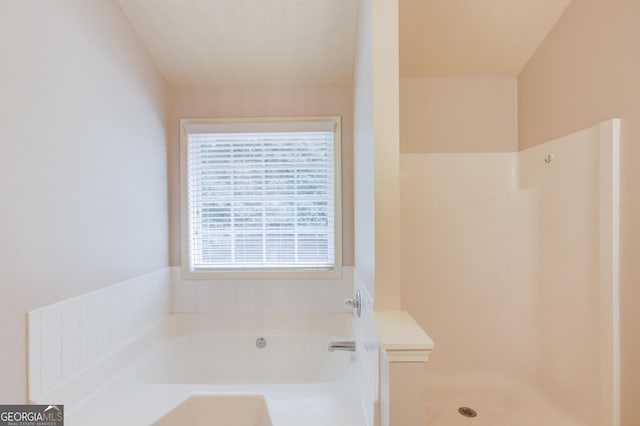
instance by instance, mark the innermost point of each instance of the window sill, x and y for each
(290, 274)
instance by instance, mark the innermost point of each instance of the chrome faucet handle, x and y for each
(355, 303)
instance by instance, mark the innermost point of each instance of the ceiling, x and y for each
(224, 42)
(473, 37)
(208, 42)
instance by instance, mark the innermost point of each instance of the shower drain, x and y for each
(467, 412)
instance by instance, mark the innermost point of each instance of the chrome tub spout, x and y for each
(342, 346)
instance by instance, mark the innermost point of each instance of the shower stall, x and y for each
(510, 263)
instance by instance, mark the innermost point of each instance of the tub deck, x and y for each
(124, 402)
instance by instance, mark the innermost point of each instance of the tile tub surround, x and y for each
(138, 402)
(67, 338)
(246, 296)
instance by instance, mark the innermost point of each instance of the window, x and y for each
(261, 196)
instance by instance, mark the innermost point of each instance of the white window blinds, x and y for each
(260, 200)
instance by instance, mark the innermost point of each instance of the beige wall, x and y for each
(385, 64)
(584, 72)
(458, 114)
(273, 100)
(83, 166)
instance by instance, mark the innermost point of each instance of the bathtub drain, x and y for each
(261, 342)
(467, 412)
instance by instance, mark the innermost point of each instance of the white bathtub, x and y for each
(236, 359)
(216, 354)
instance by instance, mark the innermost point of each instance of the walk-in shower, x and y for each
(510, 263)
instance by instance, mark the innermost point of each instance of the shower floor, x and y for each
(496, 404)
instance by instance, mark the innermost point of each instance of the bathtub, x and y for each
(188, 355)
(238, 359)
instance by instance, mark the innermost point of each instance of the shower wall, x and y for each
(578, 77)
(502, 266)
(567, 265)
(467, 241)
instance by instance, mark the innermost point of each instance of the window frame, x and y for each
(265, 274)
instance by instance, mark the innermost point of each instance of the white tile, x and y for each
(186, 301)
(310, 296)
(148, 299)
(202, 297)
(339, 292)
(176, 294)
(157, 289)
(128, 312)
(222, 296)
(71, 364)
(242, 296)
(299, 297)
(116, 316)
(88, 330)
(71, 337)
(137, 304)
(177, 304)
(277, 296)
(162, 296)
(175, 275)
(34, 356)
(102, 325)
(51, 341)
(322, 301)
(257, 296)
